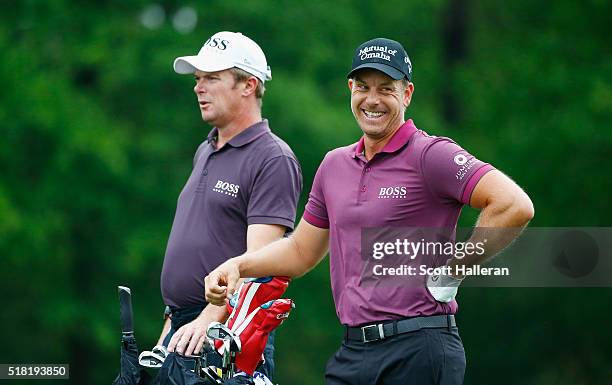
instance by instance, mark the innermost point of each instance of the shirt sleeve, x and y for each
(315, 212)
(450, 172)
(275, 193)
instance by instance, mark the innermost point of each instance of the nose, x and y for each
(199, 87)
(372, 98)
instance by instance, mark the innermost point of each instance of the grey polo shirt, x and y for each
(254, 178)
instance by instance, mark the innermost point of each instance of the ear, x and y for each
(408, 94)
(350, 84)
(250, 85)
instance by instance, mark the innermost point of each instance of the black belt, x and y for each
(380, 331)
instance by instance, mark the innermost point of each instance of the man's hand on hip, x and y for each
(443, 287)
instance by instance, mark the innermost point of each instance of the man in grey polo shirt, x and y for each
(242, 192)
(395, 176)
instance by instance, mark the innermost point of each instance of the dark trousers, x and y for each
(423, 357)
(183, 316)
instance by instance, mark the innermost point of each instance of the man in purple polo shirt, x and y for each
(395, 176)
(242, 192)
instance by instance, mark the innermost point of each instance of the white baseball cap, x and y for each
(226, 50)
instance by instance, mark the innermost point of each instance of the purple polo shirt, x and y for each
(254, 179)
(433, 178)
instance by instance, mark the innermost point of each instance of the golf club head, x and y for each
(154, 358)
(218, 331)
(232, 344)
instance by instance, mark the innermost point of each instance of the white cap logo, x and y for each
(225, 50)
(460, 159)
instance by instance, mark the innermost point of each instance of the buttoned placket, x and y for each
(366, 171)
(203, 183)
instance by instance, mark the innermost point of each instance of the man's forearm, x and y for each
(290, 257)
(280, 258)
(212, 313)
(496, 228)
(165, 329)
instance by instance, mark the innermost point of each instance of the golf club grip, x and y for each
(125, 308)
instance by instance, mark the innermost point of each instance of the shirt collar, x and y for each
(398, 140)
(245, 137)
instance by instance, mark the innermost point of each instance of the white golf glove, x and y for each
(443, 287)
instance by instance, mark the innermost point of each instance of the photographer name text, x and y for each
(425, 270)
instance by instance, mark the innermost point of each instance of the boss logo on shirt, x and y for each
(226, 188)
(393, 192)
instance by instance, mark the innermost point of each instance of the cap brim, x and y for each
(388, 70)
(190, 64)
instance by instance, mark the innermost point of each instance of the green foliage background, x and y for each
(97, 135)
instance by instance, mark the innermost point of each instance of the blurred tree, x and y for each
(98, 135)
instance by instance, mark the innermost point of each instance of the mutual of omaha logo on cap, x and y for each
(225, 50)
(384, 55)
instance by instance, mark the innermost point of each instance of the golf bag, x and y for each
(255, 310)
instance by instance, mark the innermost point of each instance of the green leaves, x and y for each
(97, 135)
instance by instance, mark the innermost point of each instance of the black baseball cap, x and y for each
(384, 55)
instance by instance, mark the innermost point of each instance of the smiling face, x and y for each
(378, 102)
(218, 96)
